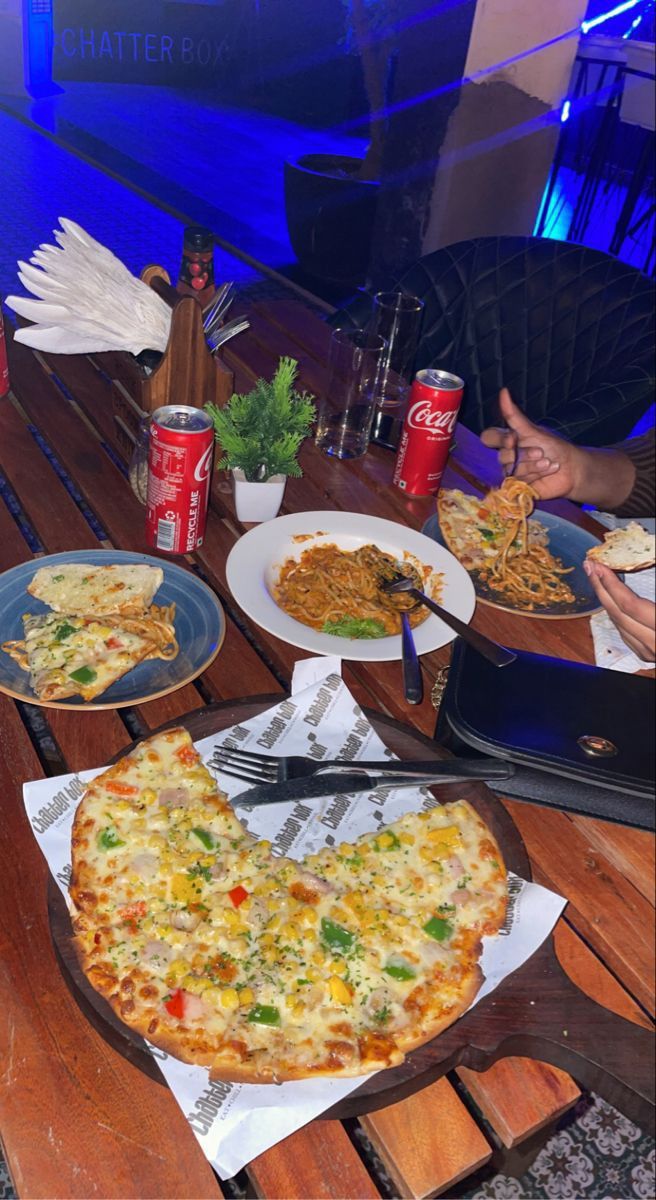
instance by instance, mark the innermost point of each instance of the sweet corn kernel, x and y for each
(176, 971)
(368, 917)
(312, 974)
(354, 901)
(385, 840)
(290, 1001)
(148, 795)
(346, 849)
(231, 918)
(245, 905)
(246, 997)
(338, 966)
(447, 835)
(273, 906)
(299, 1008)
(193, 984)
(308, 915)
(290, 930)
(340, 992)
(267, 939)
(406, 839)
(185, 888)
(264, 846)
(155, 841)
(274, 922)
(338, 914)
(319, 957)
(427, 853)
(270, 955)
(230, 998)
(424, 816)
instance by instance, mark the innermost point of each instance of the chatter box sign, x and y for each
(152, 42)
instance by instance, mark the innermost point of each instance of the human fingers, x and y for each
(634, 617)
(514, 417)
(496, 438)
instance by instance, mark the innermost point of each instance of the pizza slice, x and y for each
(475, 531)
(84, 588)
(72, 655)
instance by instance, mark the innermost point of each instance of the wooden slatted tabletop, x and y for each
(76, 1118)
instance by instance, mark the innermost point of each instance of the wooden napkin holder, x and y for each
(187, 372)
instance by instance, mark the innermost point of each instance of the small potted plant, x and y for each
(260, 434)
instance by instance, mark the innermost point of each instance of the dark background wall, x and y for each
(288, 57)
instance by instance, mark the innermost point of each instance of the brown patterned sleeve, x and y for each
(640, 502)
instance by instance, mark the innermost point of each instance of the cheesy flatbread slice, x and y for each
(96, 590)
(260, 967)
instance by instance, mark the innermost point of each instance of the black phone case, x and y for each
(540, 714)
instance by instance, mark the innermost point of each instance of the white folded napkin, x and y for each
(87, 300)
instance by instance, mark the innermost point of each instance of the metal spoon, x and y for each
(496, 654)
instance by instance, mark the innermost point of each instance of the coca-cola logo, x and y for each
(421, 415)
(202, 468)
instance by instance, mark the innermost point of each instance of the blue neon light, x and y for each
(586, 26)
(564, 112)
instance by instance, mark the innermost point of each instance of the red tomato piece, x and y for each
(113, 643)
(175, 1004)
(238, 895)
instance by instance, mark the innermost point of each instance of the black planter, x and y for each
(330, 216)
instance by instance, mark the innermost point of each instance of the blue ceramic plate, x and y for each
(567, 542)
(199, 627)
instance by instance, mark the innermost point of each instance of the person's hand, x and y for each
(546, 461)
(634, 617)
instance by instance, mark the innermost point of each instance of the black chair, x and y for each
(569, 330)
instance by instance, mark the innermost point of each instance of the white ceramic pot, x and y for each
(258, 501)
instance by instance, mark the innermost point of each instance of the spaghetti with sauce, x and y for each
(338, 591)
(495, 538)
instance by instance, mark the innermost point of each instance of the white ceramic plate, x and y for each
(254, 562)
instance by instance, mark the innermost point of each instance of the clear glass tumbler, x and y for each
(397, 317)
(138, 465)
(348, 404)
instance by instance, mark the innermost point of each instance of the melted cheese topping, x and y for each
(228, 956)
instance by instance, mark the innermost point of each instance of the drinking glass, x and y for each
(397, 317)
(349, 401)
(138, 465)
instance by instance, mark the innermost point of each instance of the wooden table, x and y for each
(76, 1118)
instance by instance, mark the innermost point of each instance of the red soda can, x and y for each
(4, 368)
(428, 426)
(179, 474)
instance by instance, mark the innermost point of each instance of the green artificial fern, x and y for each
(261, 432)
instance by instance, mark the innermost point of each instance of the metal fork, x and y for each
(266, 768)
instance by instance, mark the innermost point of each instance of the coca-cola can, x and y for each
(179, 475)
(4, 366)
(428, 426)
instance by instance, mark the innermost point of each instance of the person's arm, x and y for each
(557, 468)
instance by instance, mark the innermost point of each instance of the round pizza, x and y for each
(261, 967)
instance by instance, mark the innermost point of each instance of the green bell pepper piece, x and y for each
(264, 1014)
(84, 675)
(398, 972)
(438, 928)
(336, 936)
(108, 839)
(206, 838)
